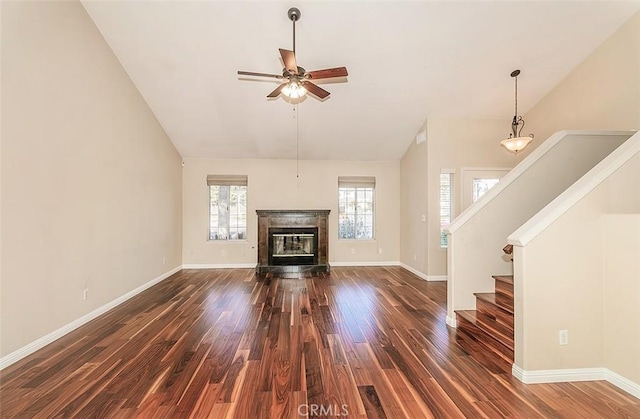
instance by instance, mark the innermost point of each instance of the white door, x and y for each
(477, 181)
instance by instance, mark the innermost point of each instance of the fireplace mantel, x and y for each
(281, 220)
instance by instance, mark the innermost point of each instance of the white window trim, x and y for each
(228, 180)
(374, 212)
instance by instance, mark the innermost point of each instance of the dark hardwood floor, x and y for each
(367, 342)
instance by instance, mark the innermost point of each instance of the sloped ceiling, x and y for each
(407, 60)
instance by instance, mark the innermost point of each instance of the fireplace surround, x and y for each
(293, 240)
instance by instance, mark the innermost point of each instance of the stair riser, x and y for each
(504, 290)
(497, 313)
(489, 326)
(492, 362)
(485, 340)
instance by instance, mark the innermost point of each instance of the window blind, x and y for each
(446, 204)
(356, 182)
(227, 180)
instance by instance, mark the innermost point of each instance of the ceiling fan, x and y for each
(296, 80)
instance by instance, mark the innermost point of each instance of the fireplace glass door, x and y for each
(293, 246)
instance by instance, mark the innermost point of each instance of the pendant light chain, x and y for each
(516, 110)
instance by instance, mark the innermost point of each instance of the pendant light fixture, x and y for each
(516, 142)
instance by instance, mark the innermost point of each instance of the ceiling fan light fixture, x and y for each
(294, 90)
(296, 81)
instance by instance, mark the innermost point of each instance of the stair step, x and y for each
(489, 348)
(504, 285)
(484, 356)
(495, 329)
(502, 303)
(488, 332)
(508, 279)
(485, 303)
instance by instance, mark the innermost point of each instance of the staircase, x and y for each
(487, 332)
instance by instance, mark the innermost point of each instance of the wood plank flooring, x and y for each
(359, 342)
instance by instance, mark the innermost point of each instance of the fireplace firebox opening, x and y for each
(293, 246)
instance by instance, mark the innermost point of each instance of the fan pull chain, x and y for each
(297, 116)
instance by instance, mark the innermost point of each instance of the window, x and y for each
(446, 204)
(355, 207)
(481, 186)
(227, 207)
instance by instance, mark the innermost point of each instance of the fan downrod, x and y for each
(294, 14)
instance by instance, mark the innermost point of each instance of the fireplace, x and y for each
(292, 240)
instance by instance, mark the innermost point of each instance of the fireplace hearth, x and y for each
(292, 240)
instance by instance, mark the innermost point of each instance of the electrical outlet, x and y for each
(85, 294)
(423, 218)
(353, 251)
(563, 337)
(380, 250)
(415, 257)
(164, 260)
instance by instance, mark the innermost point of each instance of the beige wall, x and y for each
(602, 93)
(413, 206)
(588, 287)
(621, 294)
(272, 184)
(91, 185)
(452, 143)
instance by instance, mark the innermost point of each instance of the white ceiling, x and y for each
(407, 60)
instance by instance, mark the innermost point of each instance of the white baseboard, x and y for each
(40, 343)
(624, 383)
(414, 271)
(451, 321)
(558, 376)
(368, 263)
(577, 374)
(253, 265)
(218, 265)
(423, 275)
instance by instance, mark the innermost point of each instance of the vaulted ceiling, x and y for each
(407, 60)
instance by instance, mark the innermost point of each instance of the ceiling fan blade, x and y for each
(251, 73)
(328, 73)
(277, 91)
(315, 90)
(289, 59)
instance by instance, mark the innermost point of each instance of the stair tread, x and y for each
(467, 325)
(490, 326)
(504, 278)
(492, 298)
